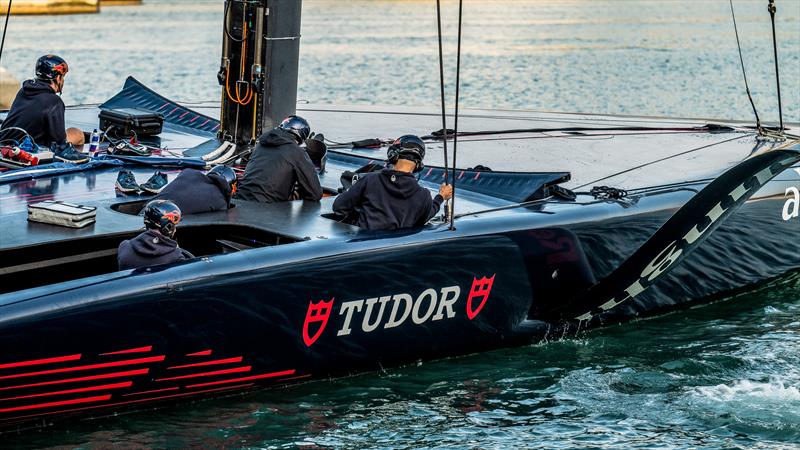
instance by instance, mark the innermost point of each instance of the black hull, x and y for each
(241, 321)
(322, 299)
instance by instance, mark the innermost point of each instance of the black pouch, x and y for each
(125, 122)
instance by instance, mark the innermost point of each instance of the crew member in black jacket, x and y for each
(195, 192)
(278, 166)
(39, 110)
(156, 245)
(392, 198)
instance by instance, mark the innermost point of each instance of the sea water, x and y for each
(725, 375)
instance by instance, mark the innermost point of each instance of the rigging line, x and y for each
(699, 129)
(744, 74)
(455, 125)
(5, 27)
(772, 9)
(441, 83)
(660, 160)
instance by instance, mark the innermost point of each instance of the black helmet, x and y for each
(48, 67)
(297, 126)
(228, 175)
(408, 147)
(318, 152)
(162, 216)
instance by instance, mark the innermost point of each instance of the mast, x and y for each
(258, 67)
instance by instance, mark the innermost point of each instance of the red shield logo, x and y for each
(481, 288)
(316, 315)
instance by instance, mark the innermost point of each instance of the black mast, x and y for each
(258, 69)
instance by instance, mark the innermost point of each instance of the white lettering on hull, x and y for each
(674, 250)
(791, 210)
(393, 311)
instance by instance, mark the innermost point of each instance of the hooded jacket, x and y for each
(195, 192)
(277, 165)
(388, 200)
(148, 249)
(38, 110)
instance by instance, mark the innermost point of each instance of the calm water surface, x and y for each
(722, 376)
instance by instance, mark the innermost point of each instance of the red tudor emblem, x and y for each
(481, 288)
(316, 313)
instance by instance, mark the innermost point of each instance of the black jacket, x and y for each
(148, 249)
(388, 200)
(275, 168)
(39, 111)
(195, 192)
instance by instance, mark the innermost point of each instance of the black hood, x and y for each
(399, 184)
(36, 87)
(222, 184)
(276, 137)
(152, 243)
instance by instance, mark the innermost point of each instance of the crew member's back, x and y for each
(278, 166)
(195, 192)
(392, 198)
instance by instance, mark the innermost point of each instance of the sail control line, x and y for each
(763, 132)
(3, 41)
(450, 205)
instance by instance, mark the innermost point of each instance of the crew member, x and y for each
(39, 110)
(195, 192)
(391, 198)
(156, 244)
(279, 168)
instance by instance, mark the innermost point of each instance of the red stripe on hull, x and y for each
(235, 380)
(203, 353)
(99, 398)
(74, 391)
(209, 363)
(36, 362)
(88, 367)
(78, 379)
(130, 350)
(209, 374)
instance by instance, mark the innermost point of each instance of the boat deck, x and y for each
(624, 152)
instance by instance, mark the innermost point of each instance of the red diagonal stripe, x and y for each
(36, 362)
(98, 398)
(88, 367)
(209, 363)
(74, 391)
(203, 353)
(209, 374)
(130, 350)
(236, 380)
(79, 379)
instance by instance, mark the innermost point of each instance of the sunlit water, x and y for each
(722, 376)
